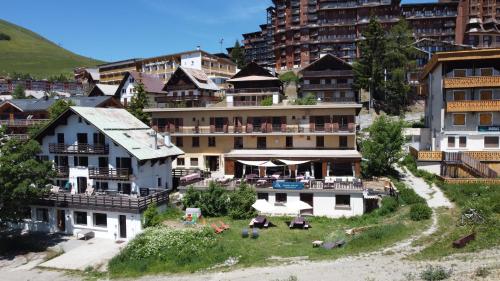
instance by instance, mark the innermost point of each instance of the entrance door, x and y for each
(81, 184)
(61, 220)
(213, 163)
(307, 198)
(123, 226)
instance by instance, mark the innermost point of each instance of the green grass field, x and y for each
(276, 244)
(28, 52)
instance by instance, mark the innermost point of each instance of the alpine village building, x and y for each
(462, 116)
(288, 152)
(110, 167)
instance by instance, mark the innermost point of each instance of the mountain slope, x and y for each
(28, 52)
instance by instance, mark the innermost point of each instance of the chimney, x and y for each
(167, 140)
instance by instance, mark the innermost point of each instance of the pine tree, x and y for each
(19, 92)
(138, 103)
(369, 68)
(238, 54)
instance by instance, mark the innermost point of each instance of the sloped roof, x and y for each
(124, 129)
(30, 105)
(327, 62)
(252, 69)
(107, 90)
(198, 77)
(152, 83)
(94, 73)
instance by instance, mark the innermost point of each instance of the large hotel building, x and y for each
(302, 29)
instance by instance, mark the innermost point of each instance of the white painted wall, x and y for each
(192, 60)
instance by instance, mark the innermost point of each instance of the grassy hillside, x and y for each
(28, 52)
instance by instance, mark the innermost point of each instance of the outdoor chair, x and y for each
(89, 191)
(223, 225)
(216, 228)
(255, 233)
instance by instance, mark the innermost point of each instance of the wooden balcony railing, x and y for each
(78, 148)
(326, 86)
(473, 105)
(426, 155)
(109, 173)
(106, 202)
(275, 128)
(481, 169)
(471, 82)
(22, 122)
(327, 73)
(253, 90)
(62, 171)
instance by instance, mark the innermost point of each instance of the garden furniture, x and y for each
(223, 225)
(216, 228)
(460, 243)
(255, 233)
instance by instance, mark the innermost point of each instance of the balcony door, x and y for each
(81, 138)
(123, 226)
(124, 163)
(81, 184)
(103, 162)
(61, 161)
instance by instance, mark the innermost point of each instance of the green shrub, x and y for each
(433, 273)
(240, 203)
(151, 216)
(389, 205)
(212, 202)
(267, 101)
(288, 77)
(420, 212)
(309, 99)
(407, 195)
(4, 36)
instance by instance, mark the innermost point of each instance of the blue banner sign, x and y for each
(288, 185)
(488, 128)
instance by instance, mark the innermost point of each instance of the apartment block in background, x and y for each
(481, 19)
(462, 115)
(113, 72)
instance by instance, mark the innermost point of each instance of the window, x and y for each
(263, 195)
(451, 142)
(81, 138)
(193, 161)
(125, 188)
(458, 95)
(459, 119)
(459, 73)
(80, 218)
(124, 163)
(487, 71)
(238, 142)
(158, 182)
(100, 220)
(343, 141)
(485, 119)
(101, 185)
(462, 142)
(180, 161)
(261, 143)
(486, 95)
(320, 141)
(280, 197)
(60, 138)
(42, 214)
(211, 141)
(289, 142)
(26, 212)
(342, 201)
(80, 161)
(179, 141)
(195, 142)
(490, 142)
(98, 138)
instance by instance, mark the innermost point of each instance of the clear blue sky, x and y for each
(119, 29)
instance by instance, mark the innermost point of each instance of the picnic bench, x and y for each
(299, 222)
(460, 243)
(85, 234)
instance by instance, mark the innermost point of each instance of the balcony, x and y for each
(78, 148)
(121, 174)
(473, 106)
(421, 155)
(471, 82)
(269, 129)
(22, 122)
(62, 171)
(327, 73)
(248, 91)
(326, 86)
(117, 202)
